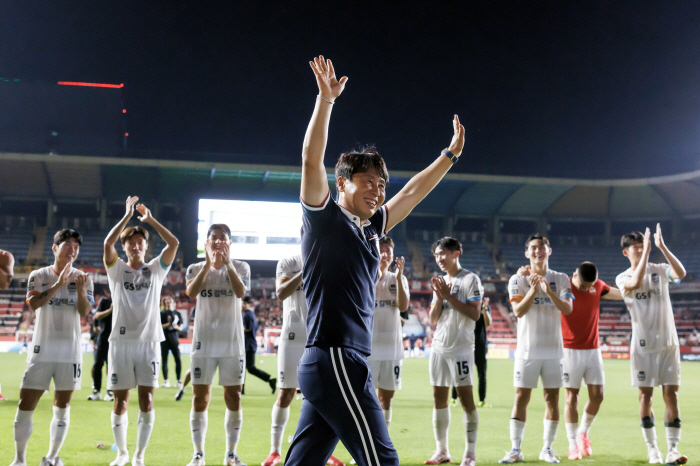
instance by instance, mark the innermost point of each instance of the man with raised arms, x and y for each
(7, 264)
(134, 350)
(655, 353)
(340, 250)
(218, 284)
(538, 301)
(455, 309)
(60, 295)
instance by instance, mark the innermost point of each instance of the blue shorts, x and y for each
(339, 404)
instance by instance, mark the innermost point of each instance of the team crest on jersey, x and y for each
(37, 348)
(122, 330)
(114, 379)
(392, 288)
(455, 289)
(655, 277)
(197, 372)
(292, 335)
(199, 345)
(71, 287)
(641, 376)
(566, 377)
(553, 286)
(146, 272)
(642, 342)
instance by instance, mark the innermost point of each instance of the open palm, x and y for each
(328, 85)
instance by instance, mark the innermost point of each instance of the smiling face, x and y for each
(538, 252)
(218, 239)
(363, 194)
(67, 251)
(446, 259)
(634, 253)
(386, 256)
(135, 248)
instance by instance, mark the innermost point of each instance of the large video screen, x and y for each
(259, 230)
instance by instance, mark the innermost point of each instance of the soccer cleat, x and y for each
(655, 457)
(548, 456)
(439, 457)
(513, 456)
(58, 462)
(94, 396)
(137, 461)
(333, 461)
(179, 394)
(273, 385)
(197, 460)
(273, 459)
(575, 454)
(2, 398)
(584, 444)
(121, 460)
(45, 462)
(675, 457)
(165, 384)
(481, 404)
(16, 463)
(232, 459)
(178, 384)
(109, 396)
(468, 461)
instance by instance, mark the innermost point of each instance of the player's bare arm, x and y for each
(613, 295)
(110, 252)
(237, 284)
(171, 242)
(565, 305)
(194, 286)
(421, 184)
(677, 269)
(7, 265)
(286, 286)
(436, 306)
(99, 315)
(635, 281)
(37, 301)
(84, 306)
(314, 183)
(401, 291)
(522, 307)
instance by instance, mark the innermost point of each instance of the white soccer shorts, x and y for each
(231, 370)
(288, 357)
(527, 372)
(386, 374)
(586, 365)
(133, 364)
(451, 371)
(65, 375)
(657, 368)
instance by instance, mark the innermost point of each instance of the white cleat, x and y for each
(232, 459)
(675, 457)
(513, 456)
(468, 461)
(655, 457)
(197, 460)
(137, 461)
(109, 396)
(121, 460)
(439, 457)
(94, 396)
(548, 456)
(166, 384)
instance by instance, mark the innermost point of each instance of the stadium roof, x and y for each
(69, 178)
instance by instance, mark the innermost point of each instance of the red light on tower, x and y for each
(72, 83)
(123, 110)
(126, 134)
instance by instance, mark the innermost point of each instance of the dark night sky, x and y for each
(584, 89)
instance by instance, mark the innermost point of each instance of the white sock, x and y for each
(441, 423)
(571, 432)
(586, 423)
(58, 431)
(673, 437)
(198, 428)
(22, 431)
(517, 432)
(280, 416)
(119, 425)
(233, 420)
(649, 435)
(470, 420)
(143, 431)
(550, 432)
(387, 416)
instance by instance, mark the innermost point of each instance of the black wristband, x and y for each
(453, 158)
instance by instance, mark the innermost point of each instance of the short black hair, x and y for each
(219, 226)
(65, 234)
(388, 241)
(449, 243)
(536, 236)
(247, 299)
(361, 161)
(630, 239)
(588, 272)
(129, 232)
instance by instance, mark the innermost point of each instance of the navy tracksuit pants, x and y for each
(339, 404)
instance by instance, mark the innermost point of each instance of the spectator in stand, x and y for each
(171, 320)
(250, 327)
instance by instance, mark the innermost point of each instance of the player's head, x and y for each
(585, 276)
(361, 178)
(7, 265)
(633, 246)
(447, 252)
(537, 249)
(218, 236)
(167, 302)
(386, 251)
(66, 244)
(247, 302)
(134, 242)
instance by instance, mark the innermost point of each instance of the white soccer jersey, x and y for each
(455, 332)
(57, 328)
(218, 321)
(136, 300)
(294, 307)
(653, 326)
(539, 331)
(387, 335)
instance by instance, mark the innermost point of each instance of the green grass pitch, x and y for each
(615, 434)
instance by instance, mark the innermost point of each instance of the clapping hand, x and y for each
(130, 203)
(457, 143)
(400, 263)
(440, 287)
(145, 213)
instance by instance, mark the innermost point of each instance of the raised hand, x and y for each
(209, 252)
(80, 282)
(145, 213)
(64, 275)
(457, 143)
(328, 85)
(130, 203)
(400, 263)
(224, 251)
(658, 238)
(544, 286)
(534, 280)
(647, 240)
